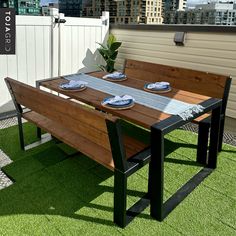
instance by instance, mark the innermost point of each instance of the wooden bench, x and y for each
(209, 84)
(104, 138)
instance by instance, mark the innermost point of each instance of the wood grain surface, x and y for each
(77, 125)
(138, 114)
(196, 81)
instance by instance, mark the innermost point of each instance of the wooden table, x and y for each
(159, 123)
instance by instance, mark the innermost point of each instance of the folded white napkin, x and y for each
(74, 84)
(115, 75)
(159, 85)
(116, 99)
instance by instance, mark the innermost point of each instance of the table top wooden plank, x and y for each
(177, 94)
(138, 114)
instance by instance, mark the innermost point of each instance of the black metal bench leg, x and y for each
(156, 175)
(221, 135)
(214, 138)
(120, 198)
(21, 134)
(203, 133)
(39, 133)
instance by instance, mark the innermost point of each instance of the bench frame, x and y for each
(123, 168)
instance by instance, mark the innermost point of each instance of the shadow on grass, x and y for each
(230, 151)
(47, 182)
(183, 162)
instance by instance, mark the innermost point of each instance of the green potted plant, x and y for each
(109, 53)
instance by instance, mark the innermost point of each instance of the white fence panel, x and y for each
(45, 49)
(78, 43)
(33, 56)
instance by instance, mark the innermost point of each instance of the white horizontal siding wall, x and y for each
(211, 52)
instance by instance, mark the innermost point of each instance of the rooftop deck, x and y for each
(61, 195)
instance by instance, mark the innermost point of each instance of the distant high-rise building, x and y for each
(127, 11)
(71, 7)
(174, 5)
(94, 8)
(51, 10)
(171, 6)
(7, 3)
(221, 13)
(27, 7)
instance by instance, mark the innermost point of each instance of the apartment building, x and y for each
(221, 13)
(151, 12)
(51, 10)
(27, 7)
(127, 11)
(169, 7)
(71, 7)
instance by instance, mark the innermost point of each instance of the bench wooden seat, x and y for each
(204, 83)
(87, 147)
(102, 137)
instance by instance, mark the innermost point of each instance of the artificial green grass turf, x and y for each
(57, 195)
(9, 141)
(27, 166)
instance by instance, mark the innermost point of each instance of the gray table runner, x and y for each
(155, 101)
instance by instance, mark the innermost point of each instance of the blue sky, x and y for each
(43, 2)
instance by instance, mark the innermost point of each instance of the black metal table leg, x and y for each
(156, 174)
(120, 198)
(39, 133)
(202, 145)
(159, 209)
